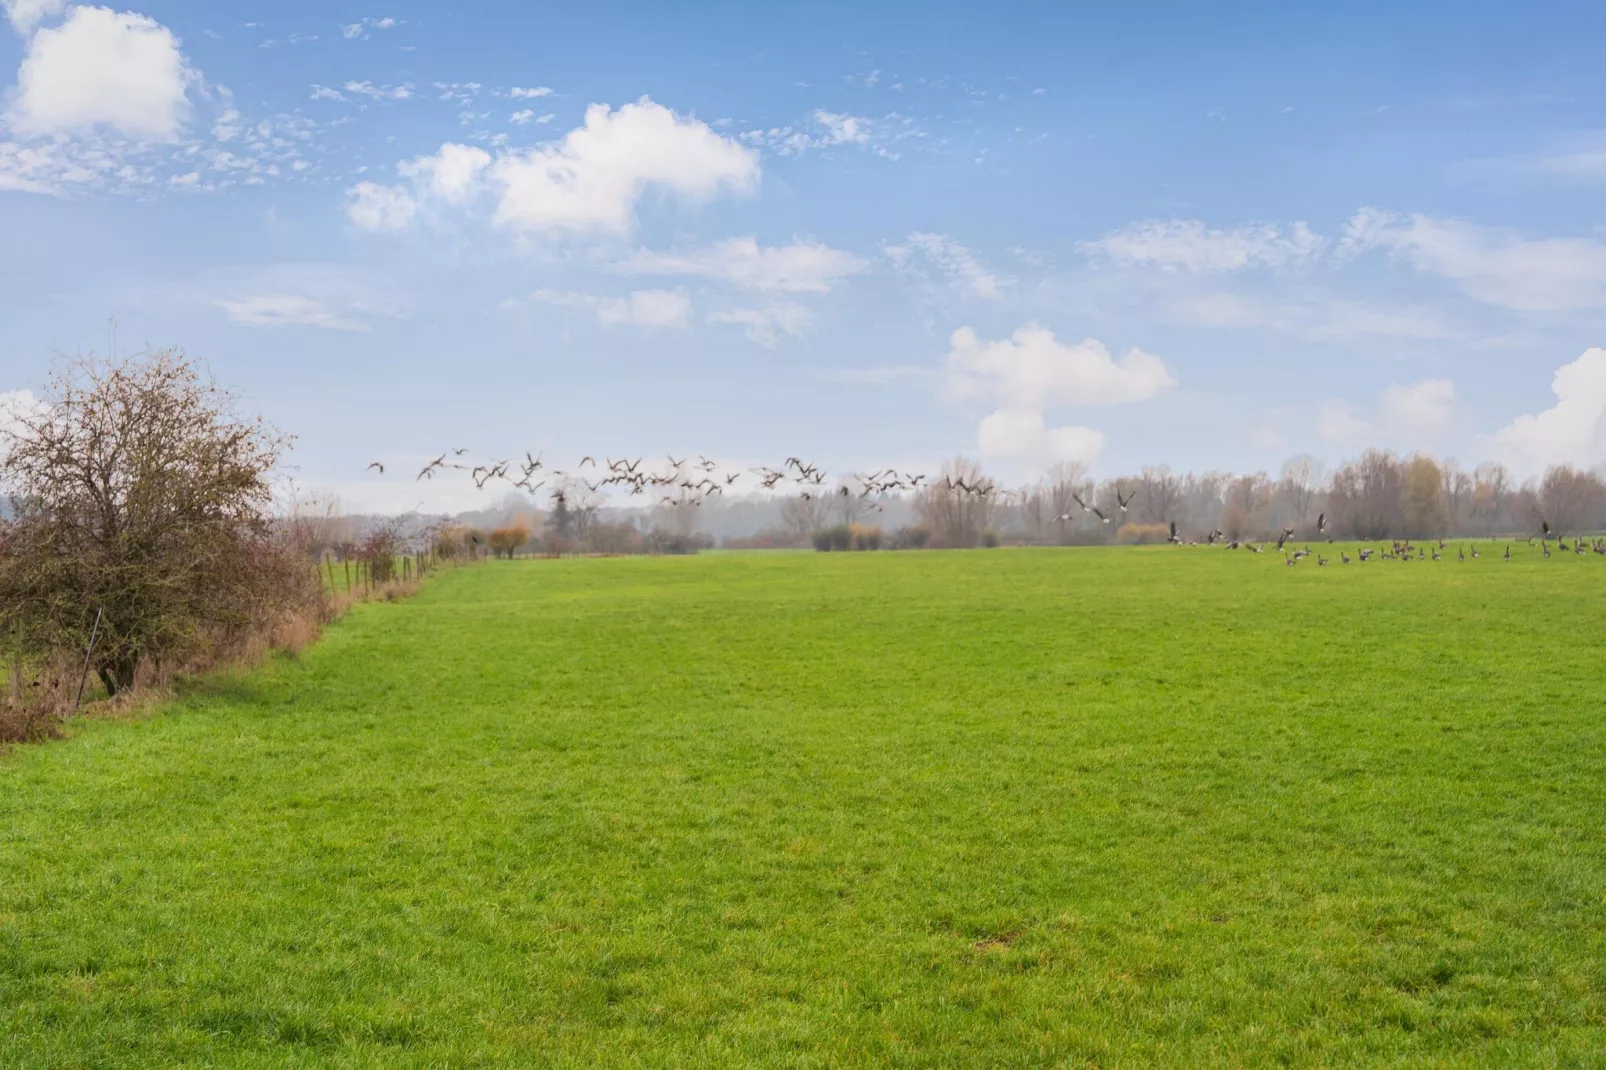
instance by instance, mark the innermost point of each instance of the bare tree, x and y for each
(1159, 495)
(804, 514)
(1491, 495)
(1300, 486)
(959, 506)
(1366, 496)
(1572, 499)
(140, 496)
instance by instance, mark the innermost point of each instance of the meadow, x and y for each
(1115, 807)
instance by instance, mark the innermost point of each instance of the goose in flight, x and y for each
(379, 466)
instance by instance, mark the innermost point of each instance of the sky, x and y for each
(873, 234)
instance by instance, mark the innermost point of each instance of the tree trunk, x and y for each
(118, 673)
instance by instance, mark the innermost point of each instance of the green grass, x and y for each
(1069, 807)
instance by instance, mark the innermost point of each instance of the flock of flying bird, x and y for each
(692, 482)
(695, 483)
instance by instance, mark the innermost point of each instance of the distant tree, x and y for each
(1491, 495)
(804, 514)
(506, 541)
(1248, 509)
(1571, 499)
(1159, 495)
(138, 494)
(1299, 487)
(849, 504)
(959, 505)
(1366, 496)
(1422, 499)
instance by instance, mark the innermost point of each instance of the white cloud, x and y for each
(102, 69)
(286, 310)
(641, 308)
(379, 92)
(1188, 245)
(1573, 431)
(15, 405)
(452, 174)
(1336, 421)
(27, 14)
(1422, 411)
(379, 208)
(1020, 435)
(593, 177)
(801, 267)
(1032, 370)
(956, 263)
(530, 94)
(519, 118)
(824, 129)
(358, 30)
(763, 325)
(323, 92)
(1494, 266)
(1411, 415)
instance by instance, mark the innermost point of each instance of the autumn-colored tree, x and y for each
(1422, 499)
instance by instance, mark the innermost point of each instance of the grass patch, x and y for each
(1148, 806)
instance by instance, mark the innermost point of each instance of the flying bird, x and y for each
(379, 466)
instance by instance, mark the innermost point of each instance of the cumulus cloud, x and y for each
(1337, 422)
(1411, 414)
(801, 267)
(27, 14)
(1032, 370)
(530, 94)
(452, 174)
(287, 310)
(641, 308)
(102, 69)
(764, 325)
(1188, 245)
(955, 263)
(1423, 411)
(1021, 436)
(1573, 431)
(1491, 265)
(380, 208)
(591, 179)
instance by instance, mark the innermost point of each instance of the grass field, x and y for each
(1072, 807)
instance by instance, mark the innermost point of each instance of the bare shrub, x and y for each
(139, 496)
(913, 537)
(506, 541)
(864, 537)
(1142, 534)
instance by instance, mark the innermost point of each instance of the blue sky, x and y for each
(872, 234)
